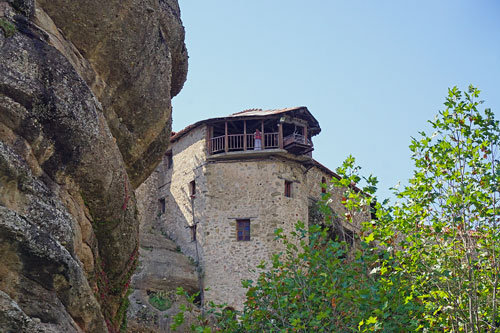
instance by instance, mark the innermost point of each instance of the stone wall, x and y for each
(162, 268)
(314, 178)
(247, 189)
(248, 185)
(189, 162)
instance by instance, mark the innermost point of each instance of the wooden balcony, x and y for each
(242, 142)
(295, 143)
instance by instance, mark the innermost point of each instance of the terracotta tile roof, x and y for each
(260, 112)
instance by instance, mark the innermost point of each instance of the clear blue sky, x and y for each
(371, 72)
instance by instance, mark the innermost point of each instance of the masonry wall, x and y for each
(251, 189)
(314, 178)
(189, 159)
(228, 190)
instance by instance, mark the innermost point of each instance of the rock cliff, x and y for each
(161, 270)
(85, 115)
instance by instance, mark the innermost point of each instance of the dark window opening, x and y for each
(170, 161)
(288, 189)
(243, 230)
(323, 185)
(193, 232)
(162, 205)
(373, 211)
(192, 189)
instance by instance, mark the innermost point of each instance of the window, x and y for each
(193, 232)
(288, 189)
(323, 185)
(170, 161)
(162, 205)
(192, 188)
(243, 230)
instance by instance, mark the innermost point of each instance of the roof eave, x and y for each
(313, 123)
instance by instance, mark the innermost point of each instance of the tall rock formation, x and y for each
(85, 90)
(154, 302)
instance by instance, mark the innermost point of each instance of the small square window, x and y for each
(193, 232)
(243, 230)
(192, 188)
(162, 205)
(288, 189)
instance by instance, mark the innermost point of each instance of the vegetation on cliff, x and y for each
(428, 262)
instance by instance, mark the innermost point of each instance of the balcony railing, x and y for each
(236, 142)
(271, 140)
(294, 143)
(250, 141)
(296, 138)
(217, 144)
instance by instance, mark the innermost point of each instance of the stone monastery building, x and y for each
(222, 193)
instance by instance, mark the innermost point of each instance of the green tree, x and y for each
(447, 222)
(322, 283)
(430, 262)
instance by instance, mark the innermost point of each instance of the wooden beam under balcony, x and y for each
(280, 137)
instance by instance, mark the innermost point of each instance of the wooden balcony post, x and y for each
(280, 138)
(305, 135)
(244, 135)
(263, 137)
(226, 146)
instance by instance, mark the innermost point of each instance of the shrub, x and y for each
(160, 300)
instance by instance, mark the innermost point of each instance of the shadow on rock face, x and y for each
(137, 51)
(85, 92)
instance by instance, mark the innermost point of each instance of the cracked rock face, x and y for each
(136, 48)
(85, 91)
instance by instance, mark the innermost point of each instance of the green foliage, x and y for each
(8, 28)
(121, 314)
(160, 300)
(430, 262)
(320, 283)
(448, 220)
